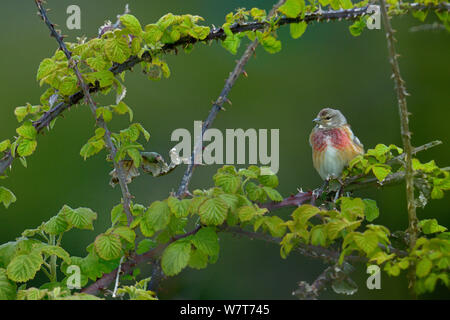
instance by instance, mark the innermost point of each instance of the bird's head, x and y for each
(330, 118)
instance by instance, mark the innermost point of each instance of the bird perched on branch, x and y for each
(333, 144)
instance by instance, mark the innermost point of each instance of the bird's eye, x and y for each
(327, 118)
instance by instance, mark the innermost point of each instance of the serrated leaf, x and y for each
(56, 225)
(273, 194)
(176, 257)
(206, 240)
(125, 233)
(228, 182)
(367, 242)
(371, 210)
(26, 147)
(27, 131)
(198, 260)
(298, 29)
(180, 208)
(81, 218)
(292, 8)
(117, 49)
(305, 212)
(24, 267)
(57, 251)
(7, 287)
(430, 226)
(132, 24)
(381, 172)
(213, 211)
(423, 267)
(108, 246)
(318, 236)
(158, 215)
(7, 197)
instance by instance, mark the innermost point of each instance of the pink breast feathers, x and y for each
(336, 137)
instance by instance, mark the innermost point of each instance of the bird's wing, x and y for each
(358, 144)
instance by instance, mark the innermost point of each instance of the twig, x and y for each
(413, 228)
(100, 122)
(218, 104)
(116, 286)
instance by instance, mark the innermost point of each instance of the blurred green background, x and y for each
(326, 67)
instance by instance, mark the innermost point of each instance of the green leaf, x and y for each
(68, 85)
(125, 233)
(298, 29)
(271, 44)
(430, 226)
(269, 180)
(145, 245)
(198, 260)
(108, 246)
(7, 252)
(46, 67)
(7, 197)
(423, 267)
(246, 213)
(81, 218)
(213, 211)
(176, 257)
(206, 240)
(273, 194)
(318, 236)
(132, 24)
(305, 212)
(381, 172)
(24, 267)
(7, 287)
(180, 208)
(122, 108)
(367, 242)
(56, 225)
(5, 144)
(152, 33)
(231, 42)
(228, 182)
(57, 251)
(26, 147)
(276, 226)
(27, 131)
(158, 215)
(118, 215)
(352, 207)
(117, 49)
(104, 77)
(371, 210)
(292, 8)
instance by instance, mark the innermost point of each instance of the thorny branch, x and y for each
(413, 228)
(100, 122)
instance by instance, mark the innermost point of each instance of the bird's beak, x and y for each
(316, 120)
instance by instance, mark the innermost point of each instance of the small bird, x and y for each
(333, 144)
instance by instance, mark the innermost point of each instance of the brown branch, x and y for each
(413, 228)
